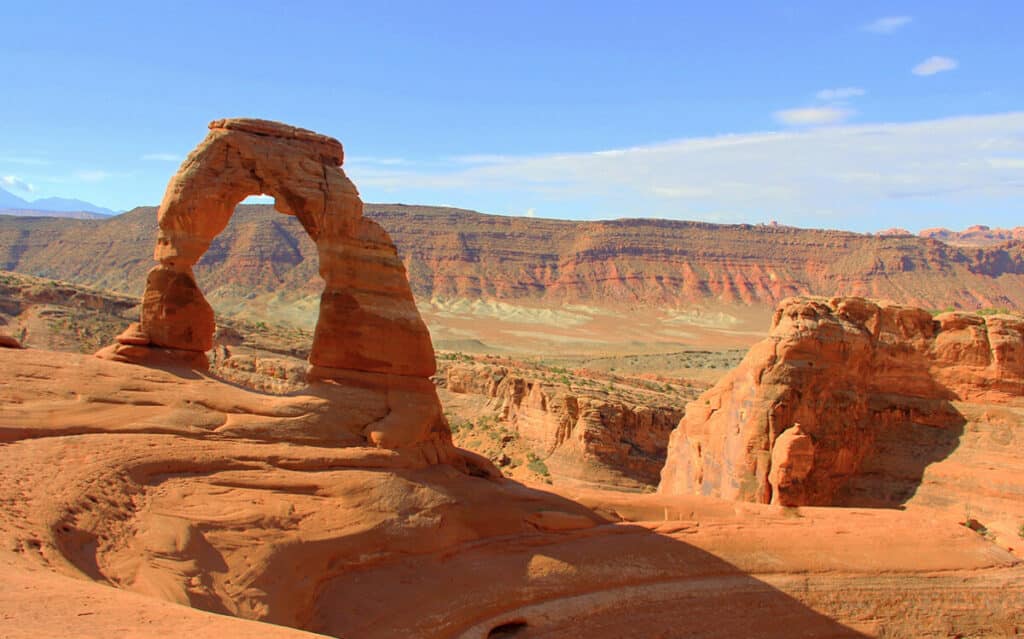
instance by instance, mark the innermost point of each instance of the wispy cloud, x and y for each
(840, 94)
(370, 159)
(17, 183)
(888, 24)
(813, 116)
(162, 157)
(92, 175)
(23, 159)
(1007, 163)
(935, 64)
(793, 175)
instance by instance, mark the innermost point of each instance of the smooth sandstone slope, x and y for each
(851, 402)
(189, 490)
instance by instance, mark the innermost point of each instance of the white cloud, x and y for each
(370, 159)
(162, 157)
(935, 64)
(680, 191)
(17, 183)
(25, 160)
(813, 116)
(840, 94)
(531, 212)
(888, 24)
(1006, 163)
(92, 175)
(794, 176)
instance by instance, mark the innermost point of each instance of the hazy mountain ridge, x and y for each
(11, 204)
(458, 254)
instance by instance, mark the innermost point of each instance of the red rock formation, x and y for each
(813, 413)
(453, 255)
(615, 439)
(369, 334)
(368, 321)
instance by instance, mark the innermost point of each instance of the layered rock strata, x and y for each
(457, 255)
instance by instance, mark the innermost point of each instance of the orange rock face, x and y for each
(369, 333)
(851, 402)
(368, 320)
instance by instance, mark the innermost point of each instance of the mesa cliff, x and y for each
(264, 260)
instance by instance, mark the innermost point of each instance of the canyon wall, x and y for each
(608, 435)
(454, 254)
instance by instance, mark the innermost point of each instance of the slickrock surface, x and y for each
(188, 490)
(851, 402)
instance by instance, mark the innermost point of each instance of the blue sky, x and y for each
(846, 115)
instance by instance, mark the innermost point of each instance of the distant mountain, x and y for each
(77, 215)
(11, 204)
(63, 204)
(977, 235)
(9, 200)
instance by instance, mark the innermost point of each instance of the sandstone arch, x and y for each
(368, 320)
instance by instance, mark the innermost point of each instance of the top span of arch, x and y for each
(330, 148)
(240, 157)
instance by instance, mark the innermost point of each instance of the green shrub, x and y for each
(537, 465)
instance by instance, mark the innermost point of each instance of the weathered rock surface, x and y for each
(852, 402)
(369, 336)
(368, 320)
(615, 437)
(187, 490)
